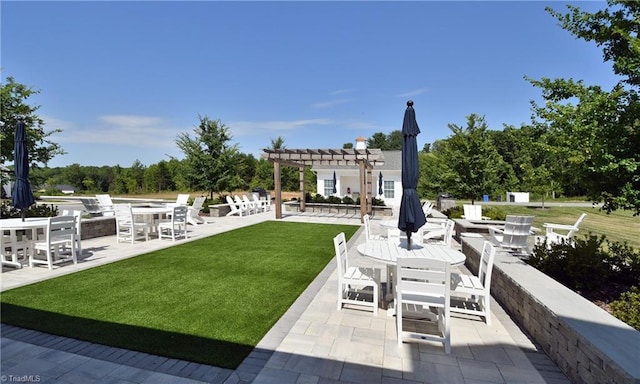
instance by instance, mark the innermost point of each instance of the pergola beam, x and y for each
(364, 159)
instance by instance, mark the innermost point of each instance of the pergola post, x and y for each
(369, 191)
(363, 190)
(302, 197)
(278, 185)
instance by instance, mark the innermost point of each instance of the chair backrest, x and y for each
(576, 225)
(448, 232)
(517, 230)
(340, 246)
(472, 211)
(104, 200)
(486, 265)
(78, 215)
(182, 199)
(424, 280)
(232, 204)
(367, 228)
(179, 214)
(124, 214)
(198, 203)
(61, 227)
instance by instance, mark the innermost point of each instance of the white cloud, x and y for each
(244, 128)
(125, 130)
(330, 103)
(415, 92)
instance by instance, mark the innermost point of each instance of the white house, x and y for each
(347, 181)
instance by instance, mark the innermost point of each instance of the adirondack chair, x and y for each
(236, 209)
(193, 216)
(515, 234)
(552, 236)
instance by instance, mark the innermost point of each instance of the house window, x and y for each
(389, 191)
(328, 187)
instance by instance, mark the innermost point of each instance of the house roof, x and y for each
(392, 162)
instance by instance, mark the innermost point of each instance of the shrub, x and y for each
(597, 270)
(627, 308)
(8, 211)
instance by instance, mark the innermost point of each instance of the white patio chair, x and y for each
(193, 216)
(60, 233)
(440, 236)
(260, 204)
(127, 228)
(552, 236)
(473, 212)
(182, 199)
(106, 205)
(515, 234)
(470, 293)
(354, 281)
(78, 215)
(236, 209)
(176, 226)
(249, 204)
(423, 286)
(367, 230)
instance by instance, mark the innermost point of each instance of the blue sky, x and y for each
(124, 79)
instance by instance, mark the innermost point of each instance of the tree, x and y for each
(14, 105)
(390, 142)
(211, 163)
(599, 135)
(471, 165)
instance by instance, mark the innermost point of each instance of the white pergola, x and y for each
(365, 159)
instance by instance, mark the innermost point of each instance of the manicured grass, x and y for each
(618, 226)
(208, 301)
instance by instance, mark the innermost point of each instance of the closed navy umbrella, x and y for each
(411, 216)
(334, 182)
(22, 197)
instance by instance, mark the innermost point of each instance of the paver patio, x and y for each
(312, 343)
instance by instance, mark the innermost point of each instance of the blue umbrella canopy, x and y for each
(21, 197)
(334, 182)
(380, 190)
(411, 217)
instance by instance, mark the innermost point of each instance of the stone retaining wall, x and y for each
(589, 345)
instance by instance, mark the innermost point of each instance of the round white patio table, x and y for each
(149, 214)
(388, 252)
(16, 224)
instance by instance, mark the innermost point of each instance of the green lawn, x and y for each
(618, 226)
(208, 301)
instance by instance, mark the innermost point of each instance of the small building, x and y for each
(347, 182)
(518, 197)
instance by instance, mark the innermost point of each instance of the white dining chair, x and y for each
(471, 293)
(355, 284)
(422, 287)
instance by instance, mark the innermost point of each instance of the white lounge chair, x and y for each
(470, 293)
(423, 286)
(193, 216)
(106, 205)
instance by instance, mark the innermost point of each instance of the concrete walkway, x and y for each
(312, 343)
